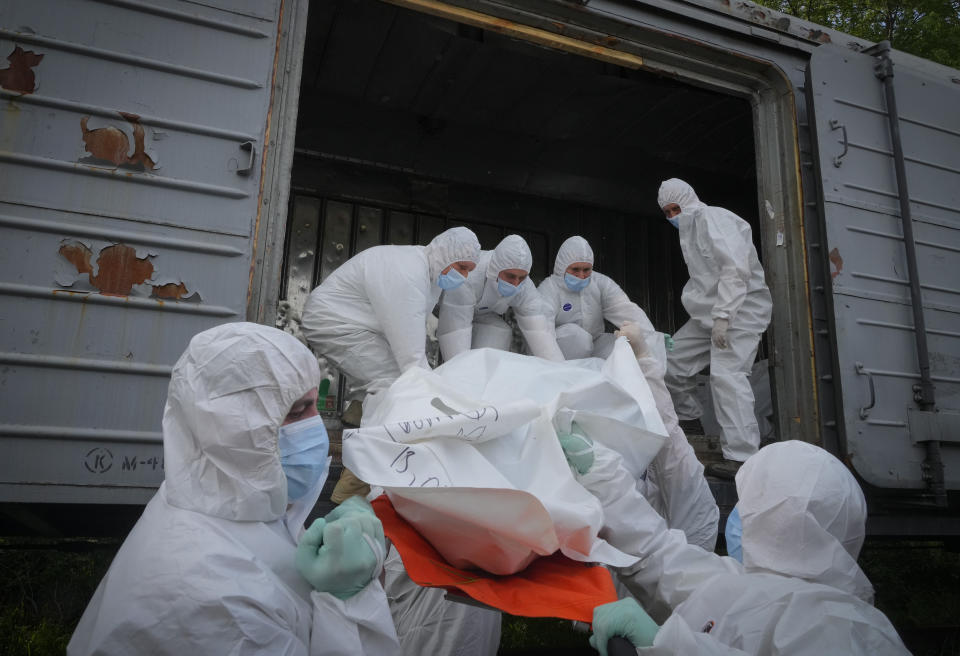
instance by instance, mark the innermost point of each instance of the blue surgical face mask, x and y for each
(505, 289)
(575, 284)
(733, 532)
(451, 279)
(675, 222)
(303, 448)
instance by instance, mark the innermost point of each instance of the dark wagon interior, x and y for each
(410, 124)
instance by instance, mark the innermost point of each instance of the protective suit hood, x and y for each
(803, 515)
(454, 245)
(677, 191)
(574, 249)
(229, 392)
(511, 253)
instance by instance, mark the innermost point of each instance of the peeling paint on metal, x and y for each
(118, 267)
(119, 270)
(837, 262)
(753, 12)
(819, 35)
(175, 291)
(78, 255)
(170, 291)
(19, 76)
(110, 145)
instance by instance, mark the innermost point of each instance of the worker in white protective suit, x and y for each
(369, 316)
(213, 565)
(729, 306)
(471, 314)
(580, 299)
(798, 529)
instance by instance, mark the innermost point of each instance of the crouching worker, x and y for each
(470, 315)
(213, 566)
(369, 317)
(578, 300)
(792, 585)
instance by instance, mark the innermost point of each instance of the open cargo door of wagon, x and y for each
(131, 145)
(876, 352)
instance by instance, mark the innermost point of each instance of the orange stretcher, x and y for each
(551, 586)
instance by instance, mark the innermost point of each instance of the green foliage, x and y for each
(44, 588)
(926, 28)
(917, 587)
(529, 636)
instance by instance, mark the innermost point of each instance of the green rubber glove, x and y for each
(355, 505)
(622, 618)
(342, 556)
(578, 448)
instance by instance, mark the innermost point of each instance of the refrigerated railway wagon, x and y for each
(169, 165)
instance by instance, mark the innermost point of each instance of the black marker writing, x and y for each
(406, 460)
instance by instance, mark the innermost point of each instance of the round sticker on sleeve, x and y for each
(567, 307)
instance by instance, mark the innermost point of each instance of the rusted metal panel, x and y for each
(110, 145)
(125, 228)
(19, 76)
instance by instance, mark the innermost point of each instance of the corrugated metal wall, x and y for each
(873, 324)
(130, 140)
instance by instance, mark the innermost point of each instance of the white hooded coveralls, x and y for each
(799, 590)
(369, 316)
(683, 497)
(209, 566)
(579, 316)
(470, 314)
(726, 282)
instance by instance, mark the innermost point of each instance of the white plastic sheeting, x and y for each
(468, 453)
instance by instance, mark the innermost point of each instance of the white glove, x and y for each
(632, 332)
(719, 334)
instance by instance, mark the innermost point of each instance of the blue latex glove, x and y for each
(342, 556)
(622, 618)
(577, 447)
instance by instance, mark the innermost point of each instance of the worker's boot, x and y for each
(723, 469)
(691, 427)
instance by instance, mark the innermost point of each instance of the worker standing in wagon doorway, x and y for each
(729, 306)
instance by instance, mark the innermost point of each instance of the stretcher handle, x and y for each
(620, 646)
